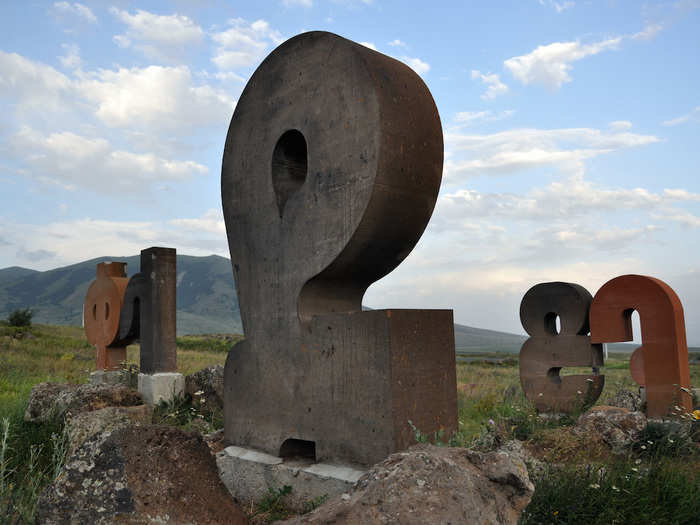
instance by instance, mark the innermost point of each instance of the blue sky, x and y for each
(571, 136)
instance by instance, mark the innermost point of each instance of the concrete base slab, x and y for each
(161, 387)
(109, 377)
(249, 475)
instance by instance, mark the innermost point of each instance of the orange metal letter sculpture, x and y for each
(661, 363)
(103, 304)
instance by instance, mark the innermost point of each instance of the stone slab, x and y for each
(161, 387)
(249, 475)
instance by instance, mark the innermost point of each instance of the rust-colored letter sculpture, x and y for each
(664, 351)
(103, 302)
(546, 352)
(331, 170)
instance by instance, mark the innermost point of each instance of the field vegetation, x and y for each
(577, 479)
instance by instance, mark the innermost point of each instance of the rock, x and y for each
(632, 401)
(86, 424)
(52, 400)
(618, 427)
(139, 475)
(208, 384)
(429, 484)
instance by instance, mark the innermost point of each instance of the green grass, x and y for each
(492, 409)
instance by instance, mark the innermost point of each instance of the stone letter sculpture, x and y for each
(331, 170)
(149, 315)
(103, 302)
(663, 356)
(546, 352)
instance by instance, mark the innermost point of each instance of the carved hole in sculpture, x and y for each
(106, 311)
(636, 325)
(94, 312)
(298, 448)
(552, 323)
(289, 166)
(553, 375)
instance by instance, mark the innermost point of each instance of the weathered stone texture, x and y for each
(53, 400)
(139, 475)
(439, 485)
(617, 426)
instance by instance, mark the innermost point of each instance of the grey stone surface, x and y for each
(632, 401)
(83, 426)
(331, 169)
(250, 474)
(139, 475)
(428, 484)
(49, 400)
(148, 312)
(161, 387)
(108, 377)
(617, 426)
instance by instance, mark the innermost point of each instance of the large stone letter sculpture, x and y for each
(664, 351)
(148, 315)
(546, 352)
(331, 170)
(103, 302)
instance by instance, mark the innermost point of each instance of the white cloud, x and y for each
(649, 32)
(549, 65)
(243, 44)
(162, 37)
(470, 117)
(32, 84)
(693, 115)
(369, 45)
(75, 9)
(418, 65)
(302, 3)
(559, 6)
(71, 60)
(155, 97)
(620, 125)
(493, 81)
(212, 221)
(73, 162)
(397, 43)
(512, 150)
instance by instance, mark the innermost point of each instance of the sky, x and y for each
(571, 136)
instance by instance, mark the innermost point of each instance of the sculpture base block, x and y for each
(249, 475)
(161, 387)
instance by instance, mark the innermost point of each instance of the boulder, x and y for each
(81, 427)
(53, 400)
(632, 401)
(617, 426)
(139, 475)
(206, 387)
(429, 484)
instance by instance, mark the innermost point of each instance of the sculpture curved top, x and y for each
(331, 170)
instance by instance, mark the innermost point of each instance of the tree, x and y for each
(20, 317)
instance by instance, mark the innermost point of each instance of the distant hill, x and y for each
(206, 299)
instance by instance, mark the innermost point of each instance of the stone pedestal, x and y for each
(161, 387)
(249, 474)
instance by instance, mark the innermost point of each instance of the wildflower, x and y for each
(492, 422)
(696, 414)
(540, 394)
(199, 392)
(594, 486)
(670, 440)
(637, 461)
(676, 407)
(579, 392)
(556, 512)
(643, 447)
(615, 488)
(589, 380)
(635, 469)
(650, 442)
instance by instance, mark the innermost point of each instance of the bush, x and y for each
(20, 317)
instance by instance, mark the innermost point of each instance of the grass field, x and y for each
(640, 487)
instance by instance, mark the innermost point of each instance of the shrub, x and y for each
(20, 317)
